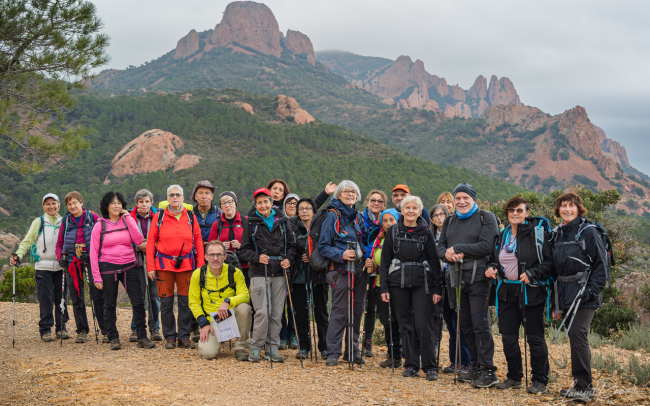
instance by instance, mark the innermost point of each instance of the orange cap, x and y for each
(402, 187)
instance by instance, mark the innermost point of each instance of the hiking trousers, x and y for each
(339, 316)
(131, 282)
(370, 317)
(449, 316)
(243, 314)
(166, 280)
(510, 319)
(288, 329)
(262, 326)
(79, 304)
(48, 291)
(155, 303)
(414, 308)
(580, 352)
(473, 300)
(300, 296)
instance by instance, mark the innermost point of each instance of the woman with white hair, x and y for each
(411, 278)
(341, 229)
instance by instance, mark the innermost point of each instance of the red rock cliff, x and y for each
(298, 43)
(187, 45)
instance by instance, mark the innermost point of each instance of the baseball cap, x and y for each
(52, 195)
(261, 191)
(402, 187)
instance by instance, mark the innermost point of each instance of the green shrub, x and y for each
(614, 316)
(639, 373)
(638, 336)
(564, 155)
(596, 340)
(607, 364)
(25, 285)
(561, 364)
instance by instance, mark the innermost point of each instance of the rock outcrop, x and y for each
(399, 77)
(612, 149)
(457, 93)
(250, 24)
(478, 89)
(185, 162)
(289, 109)
(153, 150)
(630, 286)
(298, 44)
(482, 106)
(460, 109)
(187, 45)
(8, 242)
(245, 106)
(502, 91)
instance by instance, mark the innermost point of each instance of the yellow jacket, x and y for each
(163, 205)
(212, 299)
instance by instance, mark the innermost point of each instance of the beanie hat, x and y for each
(466, 188)
(231, 194)
(392, 212)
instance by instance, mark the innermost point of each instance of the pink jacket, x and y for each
(117, 247)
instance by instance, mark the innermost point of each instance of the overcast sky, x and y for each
(558, 54)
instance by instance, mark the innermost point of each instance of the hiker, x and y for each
(142, 213)
(399, 193)
(229, 228)
(176, 250)
(290, 205)
(42, 234)
(580, 258)
(410, 274)
(269, 249)
(375, 203)
(279, 190)
(72, 251)
(206, 214)
(288, 331)
(218, 287)
(447, 200)
(516, 248)
(387, 218)
(439, 213)
(466, 243)
(113, 260)
(308, 285)
(343, 225)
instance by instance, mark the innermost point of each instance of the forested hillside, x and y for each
(240, 151)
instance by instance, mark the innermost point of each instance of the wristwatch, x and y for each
(227, 300)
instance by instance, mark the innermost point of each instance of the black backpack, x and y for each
(316, 260)
(233, 264)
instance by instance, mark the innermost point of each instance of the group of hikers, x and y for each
(275, 268)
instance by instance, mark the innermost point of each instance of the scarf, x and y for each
(268, 220)
(468, 215)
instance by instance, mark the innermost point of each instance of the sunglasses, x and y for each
(175, 195)
(518, 211)
(375, 201)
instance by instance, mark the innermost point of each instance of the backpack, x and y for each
(32, 249)
(317, 261)
(370, 237)
(543, 227)
(233, 264)
(220, 227)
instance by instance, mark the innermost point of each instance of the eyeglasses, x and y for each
(227, 202)
(375, 201)
(174, 195)
(439, 215)
(292, 204)
(349, 192)
(518, 211)
(213, 256)
(308, 208)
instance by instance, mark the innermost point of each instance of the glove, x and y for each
(63, 261)
(586, 295)
(85, 257)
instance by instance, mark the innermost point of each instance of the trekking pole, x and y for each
(293, 315)
(310, 296)
(13, 299)
(440, 334)
(268, 310)
(92, 304)
(62, 305)
(458, 271)
(351, 309)
(365, 320)
(523, 307)
(147, 297)
(390, 332)
(568, 314)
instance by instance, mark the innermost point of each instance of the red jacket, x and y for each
(238, 228)
(172, 235)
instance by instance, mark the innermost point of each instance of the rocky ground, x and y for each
(35, 372)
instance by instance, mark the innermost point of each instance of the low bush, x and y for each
(614, 316)
(25, 285)
(639, 372)
(637, 337)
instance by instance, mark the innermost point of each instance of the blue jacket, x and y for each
(213, 215)
(369, 224)
(351, 228)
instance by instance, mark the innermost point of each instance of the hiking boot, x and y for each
(486, 379)
(275, 356)
(389, 363)
(510, 384)
(410, 373)
(195, 335)
(82, 338)
(115, 344)
(450, 369)
(254, 355)
(293, 342)
(331, 362)
(171, 344)
(367, 348)
(241, 355)
(47, 337)
(357, 360)
(146, 343)
(65, 335)
(133, 338)
(323, 354)
(186, 343)
(105, 339)
(283, 345)
(432, 375)
(156, 336)
(467, 375)
(535, 388)
(304, 354)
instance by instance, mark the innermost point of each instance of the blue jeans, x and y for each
(155, 303)
(49, 292)
(449, 316)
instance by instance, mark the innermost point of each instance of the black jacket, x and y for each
(300, 267)
(272, 241)
(526, 252)
(566, 258)
(421, 250)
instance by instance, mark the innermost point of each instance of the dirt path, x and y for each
(37, 373)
